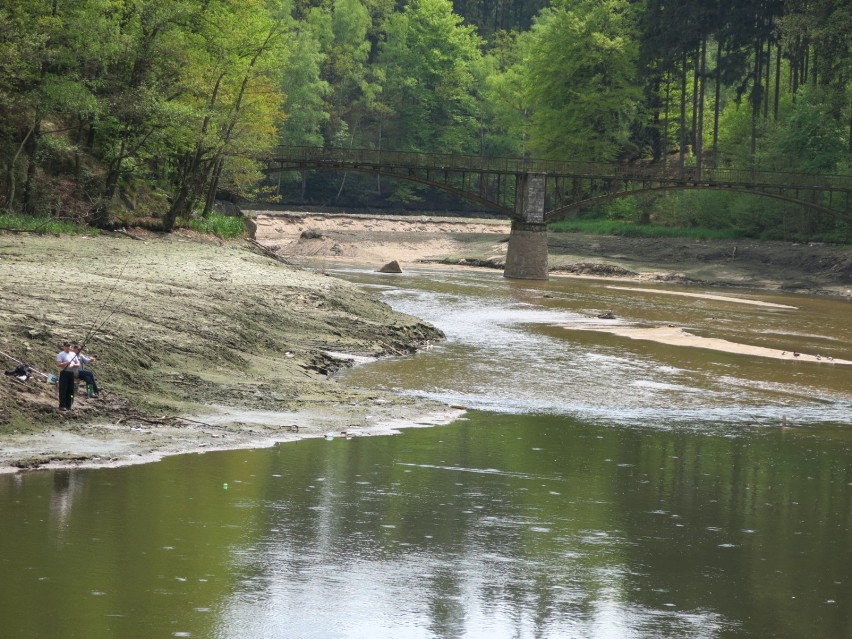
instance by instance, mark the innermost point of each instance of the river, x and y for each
(598, 487)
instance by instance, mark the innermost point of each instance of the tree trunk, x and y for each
(757, 87)
(791, 86)
(666, 121)
(10, 170)
(682, 155)
(814, 68)
(768, 66)
(214, 187)
(101, 212)
(656, 146)
(699, 134)
(777, 81)
(31, 149)
(716, 100)
(696, 79)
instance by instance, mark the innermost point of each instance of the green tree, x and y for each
(581, 80)
(240, 50)
(505, 106)
(427, 60)
(305, 92)
(40, 81)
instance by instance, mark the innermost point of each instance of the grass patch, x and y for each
(43, 225)
(626, 229)
(223, 226)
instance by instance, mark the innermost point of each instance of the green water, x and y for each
(601, 488)
(497, 526)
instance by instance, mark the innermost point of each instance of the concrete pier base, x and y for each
(526, 257)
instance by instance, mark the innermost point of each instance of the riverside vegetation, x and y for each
(146, 112)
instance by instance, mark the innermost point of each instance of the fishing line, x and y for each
(95, 325)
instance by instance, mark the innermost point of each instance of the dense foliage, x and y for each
(117, 108)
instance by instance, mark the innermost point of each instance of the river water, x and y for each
(598, 487)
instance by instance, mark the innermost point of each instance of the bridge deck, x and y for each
(296, 157)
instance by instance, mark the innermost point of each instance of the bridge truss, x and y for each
(569, 186)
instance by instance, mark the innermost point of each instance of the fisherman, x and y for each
(68, 364)
(84, 374)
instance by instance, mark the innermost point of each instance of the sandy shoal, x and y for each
(704, 296)
(675, 336)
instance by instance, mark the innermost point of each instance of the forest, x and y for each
(149, 111)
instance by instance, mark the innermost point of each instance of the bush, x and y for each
(43, 225)
(224, 226)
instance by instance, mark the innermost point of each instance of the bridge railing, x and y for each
(593, 170)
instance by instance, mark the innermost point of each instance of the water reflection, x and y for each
(496, 526)
(66, 486)
(552, 529)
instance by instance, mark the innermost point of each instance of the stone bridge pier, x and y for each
(526, 256)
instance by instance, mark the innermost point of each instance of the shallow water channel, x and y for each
(599, 487)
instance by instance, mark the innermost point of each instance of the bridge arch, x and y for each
(465, 195)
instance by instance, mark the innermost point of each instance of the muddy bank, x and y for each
(185, 326)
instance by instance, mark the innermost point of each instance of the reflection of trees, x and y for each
(472, 531)
(738, 524)
(552, 526)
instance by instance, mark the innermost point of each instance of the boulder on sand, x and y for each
(391, 267)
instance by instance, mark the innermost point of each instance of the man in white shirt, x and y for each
(68, 364)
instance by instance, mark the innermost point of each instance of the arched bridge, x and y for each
(533, 192)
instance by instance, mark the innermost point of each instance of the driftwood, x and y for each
(132, 236)
(38, 231)
(172, 420)
(267, 251)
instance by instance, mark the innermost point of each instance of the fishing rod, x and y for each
(96, 327)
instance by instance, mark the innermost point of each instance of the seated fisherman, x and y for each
(84, 374)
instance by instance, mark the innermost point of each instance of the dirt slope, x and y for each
(179, 325)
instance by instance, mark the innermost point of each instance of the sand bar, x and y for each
(676, 336)
(703, 296)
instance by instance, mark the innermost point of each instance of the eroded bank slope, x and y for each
(184, 326)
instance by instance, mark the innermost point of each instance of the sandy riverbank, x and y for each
(305, 237)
